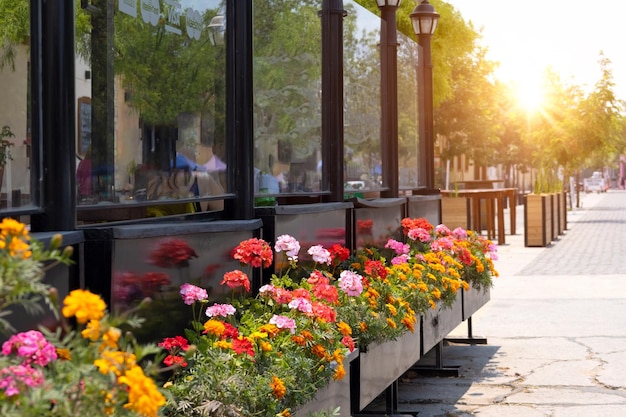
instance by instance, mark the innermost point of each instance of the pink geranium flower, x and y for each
(283, 322)
(320, 255)
(32, 346)
(192, 293)
(351, 283)
(223, 310)
(287, 244)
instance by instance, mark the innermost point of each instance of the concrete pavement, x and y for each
(555, 329)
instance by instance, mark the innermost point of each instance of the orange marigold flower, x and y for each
(270, 329)
(409, 323)
(278, 387)
(91, 331)
(319, 351)
(344, 328)
(298, 340)
(266, 346)
(284, 413)
(307, 335)
(63, 353)
(362, 326)
(391, 323)
(214, 327)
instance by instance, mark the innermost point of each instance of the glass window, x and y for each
(362, 144)
(150, 107)
(287, 94)
(15, 121)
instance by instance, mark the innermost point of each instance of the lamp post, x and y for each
(389, 95)
(424, 19)
(217, 27)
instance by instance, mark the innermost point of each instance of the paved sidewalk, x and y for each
(555, 328)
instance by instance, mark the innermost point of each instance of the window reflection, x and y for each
(15, 123)
(151, 110)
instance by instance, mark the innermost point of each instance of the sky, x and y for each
(567, 35)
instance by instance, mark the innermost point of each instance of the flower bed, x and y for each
(267, 353)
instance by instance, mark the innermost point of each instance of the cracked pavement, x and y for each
(555, 329)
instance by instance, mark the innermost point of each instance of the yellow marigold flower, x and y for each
(340, 372)
(270, 329)
(63, 353)
(422, 286)
(344, 328)
(84, 305)
(18, 247)
(92, 330)
(391, 323)
(214, 327)
(392, 309)
(278, 387)
(479, 266)
(390, 299)
(374, 314)
(11, 227)
(143, 394)
(223, 344)
(284, 413)
(412, 286)
(431, 276)
(266, 346)
(257, 335)
(111, 337)
(436, 293)
(433, 305)
(438, 267)
(338, 356)
(465, 285)
(114, 361)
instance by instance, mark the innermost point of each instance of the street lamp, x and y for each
(217, 27)
(424, 19)
(389, 96)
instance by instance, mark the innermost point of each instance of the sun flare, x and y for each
(529, 93)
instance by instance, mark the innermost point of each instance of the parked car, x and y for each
(595, 183)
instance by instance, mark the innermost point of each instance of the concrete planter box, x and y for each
(384, 363)
(473, 300)
(437, 323)
(335, 394)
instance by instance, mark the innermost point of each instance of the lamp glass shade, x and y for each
(217, 27)
(424, 19)
(388, 3)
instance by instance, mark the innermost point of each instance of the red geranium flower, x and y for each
(174, 360)
(375, 269)
(254, 252)
(339, 253)
(235, 279)
(364, 226)
(172, 253)
(408, 224)
(243, 345)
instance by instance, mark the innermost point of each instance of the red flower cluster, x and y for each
(172, 253)
(364, 226)
(375, 269)
(236, 279)
(419, 223)
(339, 253)
(254, 252)
(175, 346)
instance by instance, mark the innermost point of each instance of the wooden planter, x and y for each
(456, 212)
(382, 364)
(537, 220)
(554, 197)
(562, 212)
